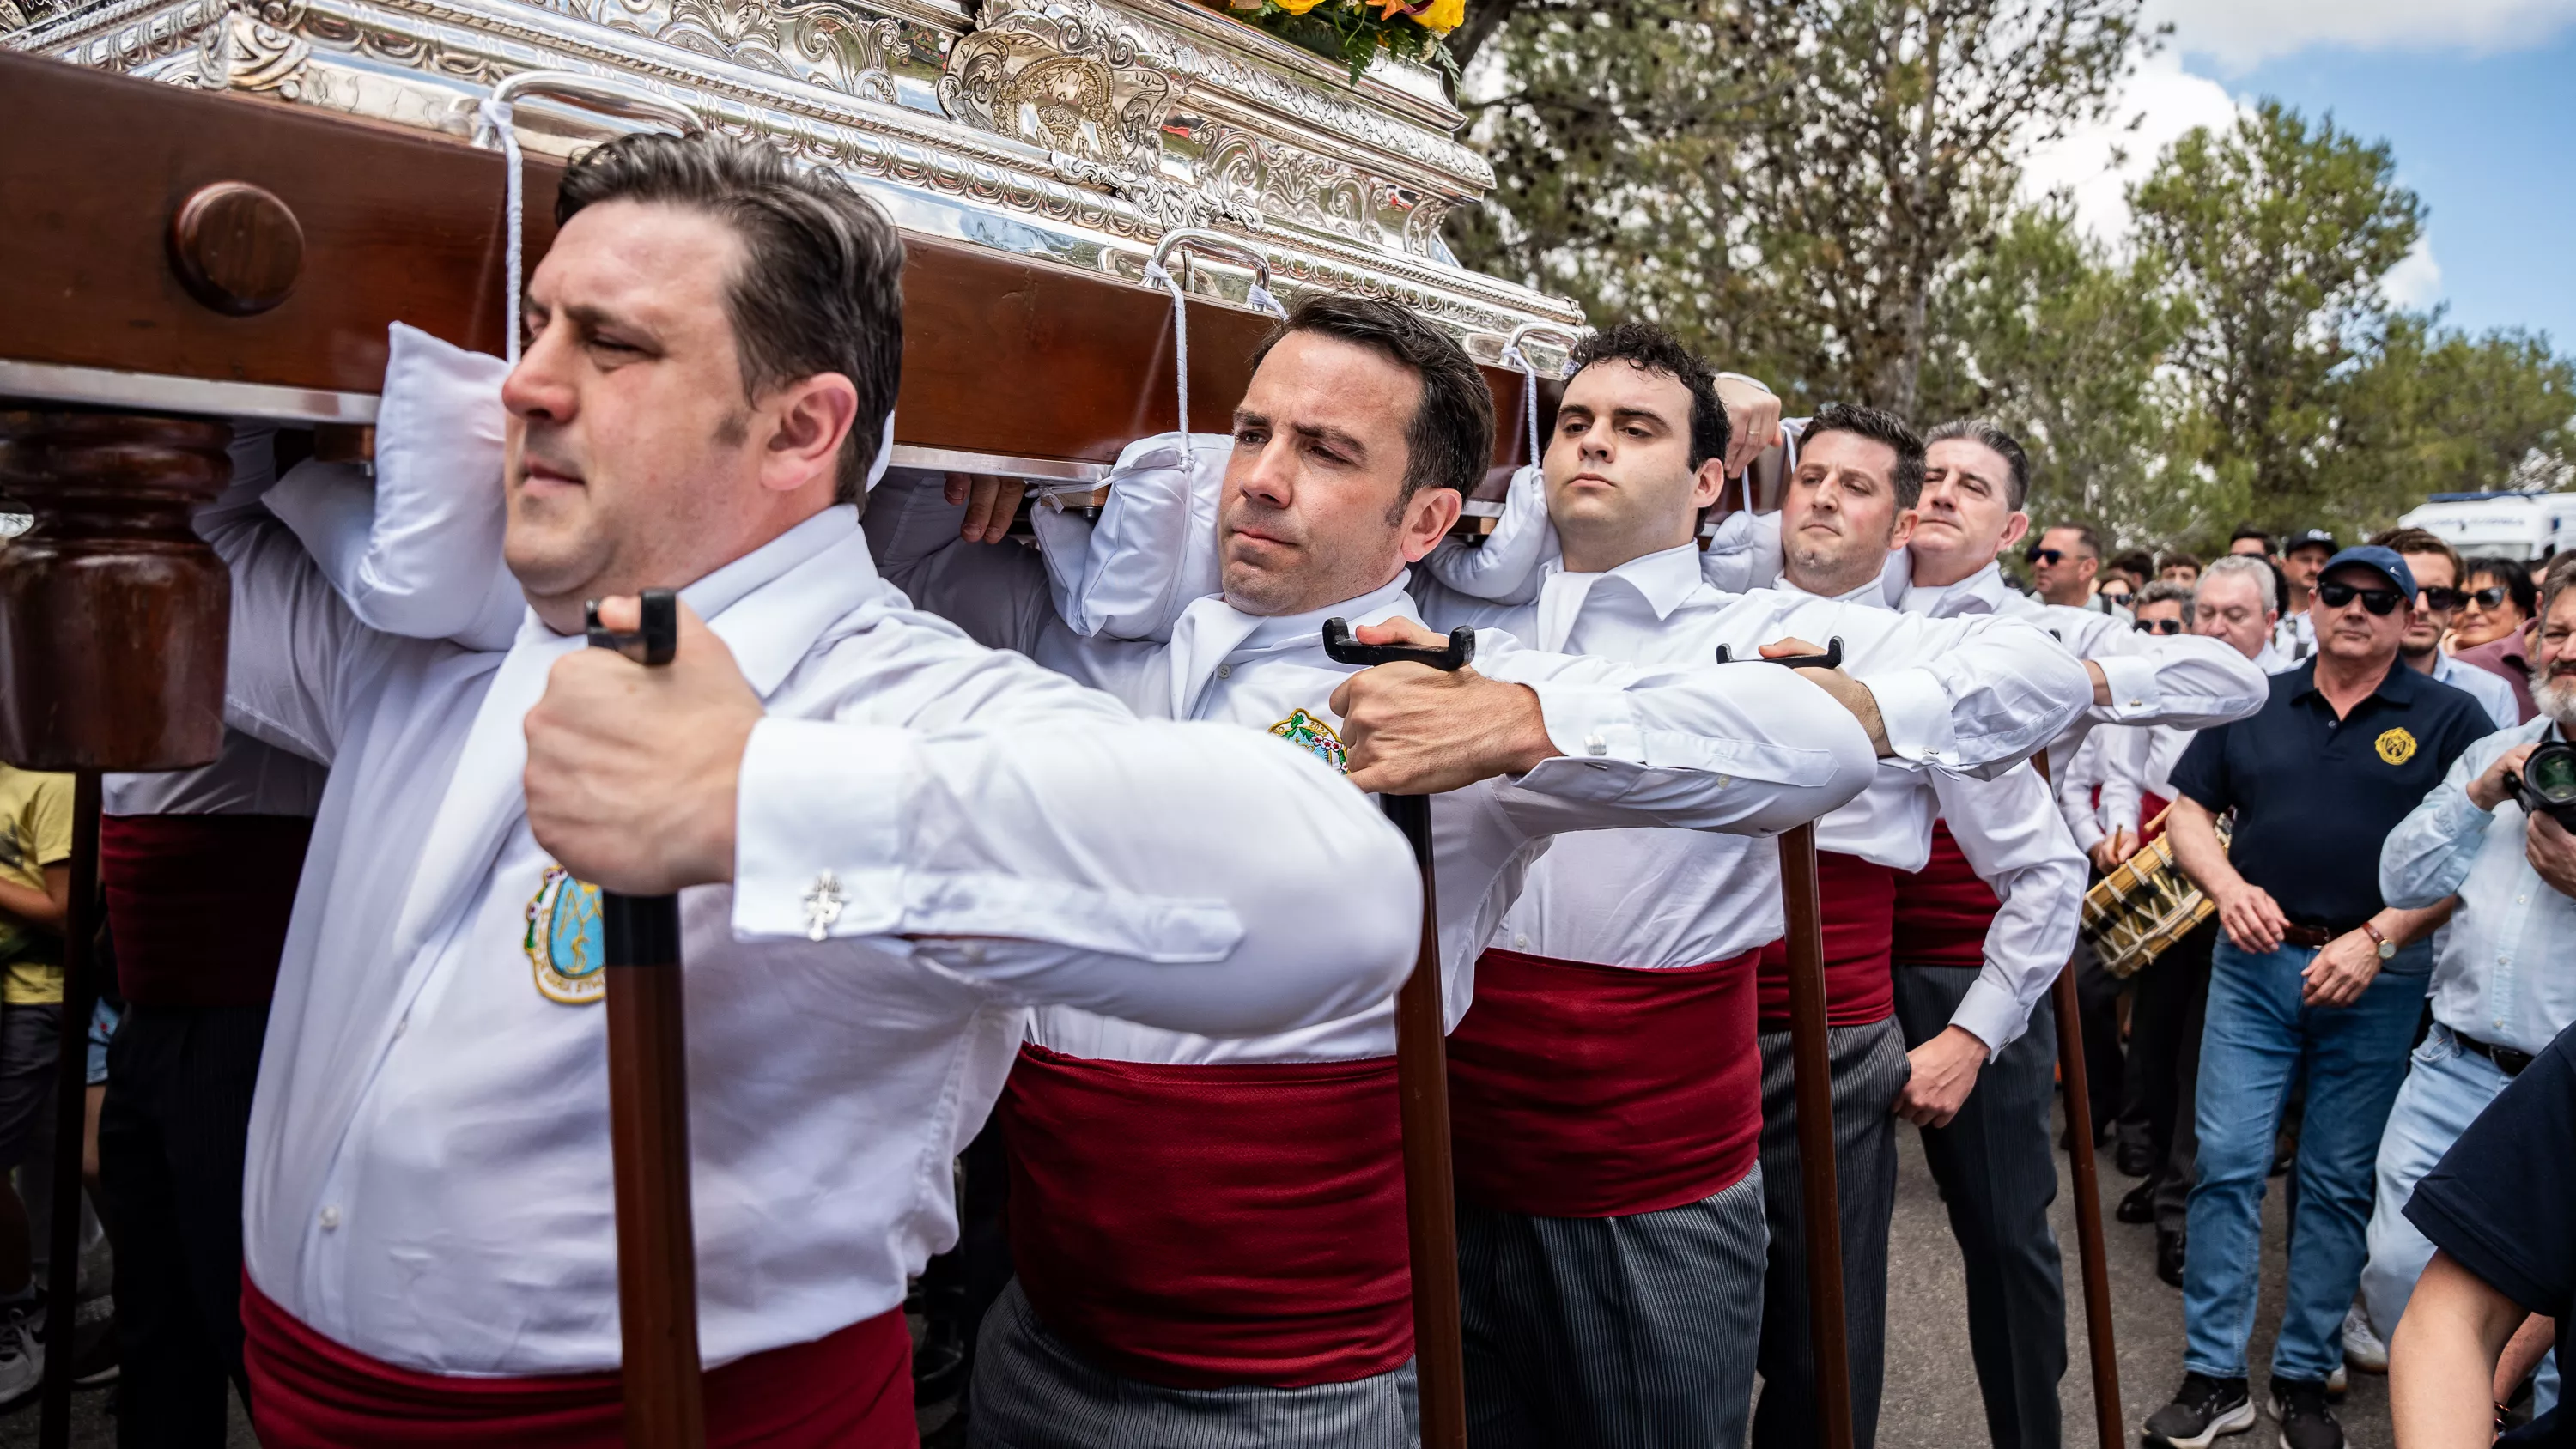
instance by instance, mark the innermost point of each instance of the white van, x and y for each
(2513, 525)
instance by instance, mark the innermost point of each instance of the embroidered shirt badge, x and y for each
(1314, 737)
(564, 942)
(2396, 746)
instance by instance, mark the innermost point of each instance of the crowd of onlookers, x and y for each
(2390, 953)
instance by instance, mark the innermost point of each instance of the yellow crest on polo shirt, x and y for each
(2396, 746)
(565, 943)
(1314, 737)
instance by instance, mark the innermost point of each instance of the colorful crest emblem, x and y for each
(2397, 746)
(1314, 737)
(564, 943)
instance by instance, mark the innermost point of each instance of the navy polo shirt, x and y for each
(2316, 796)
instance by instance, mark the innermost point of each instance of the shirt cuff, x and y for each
(2460, 817)
(1990, 1013)
(818, 830)
(1915, 711)
(2132, 682)
(2088, 833)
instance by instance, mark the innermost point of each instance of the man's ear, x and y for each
(1904, 531)
(1428, 519)
(1708, 483)
(810, 419)
(2016, 528)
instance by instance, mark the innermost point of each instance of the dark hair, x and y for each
(2006, 446)
(2091, 541)
(2513, 574)
(1451, 436)
(2178, 560)
(820, 288)
(2423, 540)
(1650, 348)
(1879, 427)
(2245, 531)
(2164, 593)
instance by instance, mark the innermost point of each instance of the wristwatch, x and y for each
(2387, 947)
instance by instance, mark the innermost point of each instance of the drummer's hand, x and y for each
(1848, 692)
(991, 504)
(1752, 421)
(2253, 920)
(633, 771)
(2341, 972)
(1415, 730)
(2112, 849)
(1945, 1071)
(2490, 788)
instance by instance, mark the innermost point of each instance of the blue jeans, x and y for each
(2446, 1088)
(2256, 1039)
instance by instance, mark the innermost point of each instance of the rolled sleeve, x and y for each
(2431, 852)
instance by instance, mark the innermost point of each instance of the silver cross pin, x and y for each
(822, 907)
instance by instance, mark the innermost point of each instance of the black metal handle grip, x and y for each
(639, 930)
(1342, 648)
(654, 644)
(1832, 658)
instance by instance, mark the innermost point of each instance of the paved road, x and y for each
(1932, 1386)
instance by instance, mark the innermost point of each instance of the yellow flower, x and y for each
(1442, 16)
(1299, 7)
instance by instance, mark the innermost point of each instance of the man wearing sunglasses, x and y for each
(2436, 566)
(2312, 967)
(2063, 565)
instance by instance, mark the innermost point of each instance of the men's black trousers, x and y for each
(1996, 1166)
(171, 1139)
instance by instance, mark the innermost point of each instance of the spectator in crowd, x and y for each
(35, 899)
(2137, 566)
(2501, 1285)
(2249, 539)
(2301, 557)
(2233, 602)
(2437, 569)
(2179, 568)
(2115, 589)
(2504, 982)
(2493, 629)
(2064, 564)
(2312, 970)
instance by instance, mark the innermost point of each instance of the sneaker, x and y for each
(2202, 1410)
(22, 1354)
(2338, 1383)
(2363, 1348)
(94, 1360)
(2306, 1422)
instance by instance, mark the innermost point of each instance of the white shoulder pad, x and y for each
(1153, 550)
(1744, 553)
(1508, 568)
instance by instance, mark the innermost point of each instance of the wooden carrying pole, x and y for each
(648, 1127)
(2092, 1252)
(1422, 1089)
(1812, 1071)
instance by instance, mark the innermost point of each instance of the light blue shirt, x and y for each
(2483, 685)
(2505, 969)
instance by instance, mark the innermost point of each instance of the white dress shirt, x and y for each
(1956, 695)
(2504, 970)
(247, 778)
(428, 1178)
(2077, 781)
(1699, 748)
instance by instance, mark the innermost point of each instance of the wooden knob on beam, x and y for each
(114, 615)
(236, 248)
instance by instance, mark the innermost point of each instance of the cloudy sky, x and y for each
(2477, 98)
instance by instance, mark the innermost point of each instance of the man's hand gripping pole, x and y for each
(1422, 1089)
(648, 1115)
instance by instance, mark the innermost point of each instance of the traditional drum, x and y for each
(2136, 913)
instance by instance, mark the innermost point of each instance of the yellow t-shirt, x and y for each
(35, 832)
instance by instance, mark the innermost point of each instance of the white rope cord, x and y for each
(1157, 276)
(493, 119)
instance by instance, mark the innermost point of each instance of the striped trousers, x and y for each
(1869, 1070)
(1032, 1391)
(1612, 1333)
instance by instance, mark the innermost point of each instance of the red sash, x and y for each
(1586, 1091)
(2150, 805)
(1859, 899)
(847, 1390)
(1943, 910)
(198, 904)
(1207, 1226)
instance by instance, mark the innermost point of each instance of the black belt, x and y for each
(2506, 1059)
(2315, 938)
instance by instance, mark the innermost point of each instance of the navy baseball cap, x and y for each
(2308, 538)
(2381, 560)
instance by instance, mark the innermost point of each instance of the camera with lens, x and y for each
(2546, 783)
